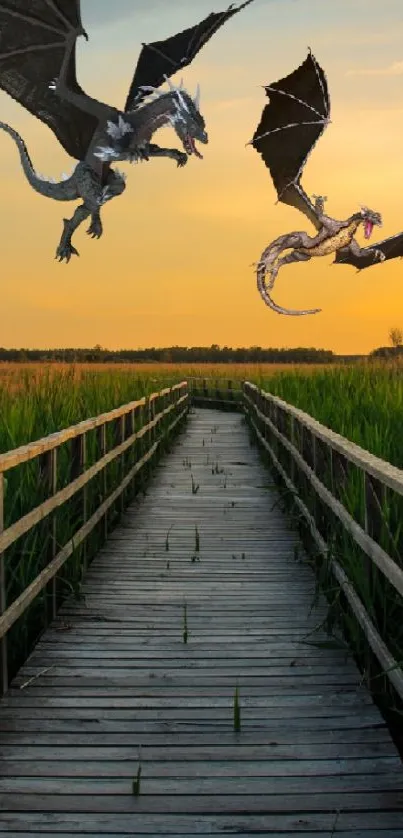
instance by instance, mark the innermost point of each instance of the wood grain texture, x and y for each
(313, 756)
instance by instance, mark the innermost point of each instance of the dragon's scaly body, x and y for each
(332, 236)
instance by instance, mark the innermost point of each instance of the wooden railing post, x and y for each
(119, 437)
(48, 473)
(374, 496)
(77, 466)
(131, 427)
(101, 451)
(151, 417)
(3, 599)
(315, 469)
(292, 440)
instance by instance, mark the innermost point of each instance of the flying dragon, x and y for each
(38, 69)
(290, 126)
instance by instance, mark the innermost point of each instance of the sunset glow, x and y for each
(174, 263)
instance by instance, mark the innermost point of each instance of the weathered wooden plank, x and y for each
(388, 833)
(360, 823)
(308, 719)
(118, 763)
(201, 786)
(216, 707)
(367, 801)
(66, 733)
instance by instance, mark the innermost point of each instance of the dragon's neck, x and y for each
(154, 115)
(356, 220)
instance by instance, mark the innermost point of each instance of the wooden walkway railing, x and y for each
(137, 430)
(320, 470)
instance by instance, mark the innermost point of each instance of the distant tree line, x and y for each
(393, 351)
(176, 354)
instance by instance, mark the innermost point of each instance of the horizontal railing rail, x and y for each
(151, 413)
(312, 450)
(216, 392)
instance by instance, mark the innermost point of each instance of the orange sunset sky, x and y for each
(174, 263)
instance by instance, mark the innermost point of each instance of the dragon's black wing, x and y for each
(290, 126)
(34, 36)
(392, 248)
(162, 59)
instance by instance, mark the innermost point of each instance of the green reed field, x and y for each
(363, 402)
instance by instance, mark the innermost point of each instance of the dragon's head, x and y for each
(187, 120)
(370, 219)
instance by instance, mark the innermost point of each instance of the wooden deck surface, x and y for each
(313, 757)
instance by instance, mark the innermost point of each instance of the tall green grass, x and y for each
(363, 402)
(35, 402)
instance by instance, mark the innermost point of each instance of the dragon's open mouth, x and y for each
(190, 146)
(368, 227)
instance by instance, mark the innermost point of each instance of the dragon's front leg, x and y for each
(152, 150)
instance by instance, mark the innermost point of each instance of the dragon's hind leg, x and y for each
(115, 185)
(66, 249)
(94, 193)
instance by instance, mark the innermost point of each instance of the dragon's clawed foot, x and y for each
(181, 158)
(65, 251)
(95, 229)
(379, 256)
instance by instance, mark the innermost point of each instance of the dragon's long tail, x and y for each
(64, 190)
(270, 263)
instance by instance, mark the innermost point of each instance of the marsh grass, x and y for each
(197, 540)
(167, 537)
(185, 623)
(195, 486)
(237, 711)
(137, 779)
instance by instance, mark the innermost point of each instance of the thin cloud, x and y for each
(395, 69)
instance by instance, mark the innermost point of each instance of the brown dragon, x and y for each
(291, 124)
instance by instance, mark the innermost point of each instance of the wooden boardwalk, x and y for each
(313, 756)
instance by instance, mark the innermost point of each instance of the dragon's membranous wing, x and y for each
(33, 40)
(391, 248)
(290, 126)
(162, 59)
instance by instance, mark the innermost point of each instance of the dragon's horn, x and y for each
(197, 97)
